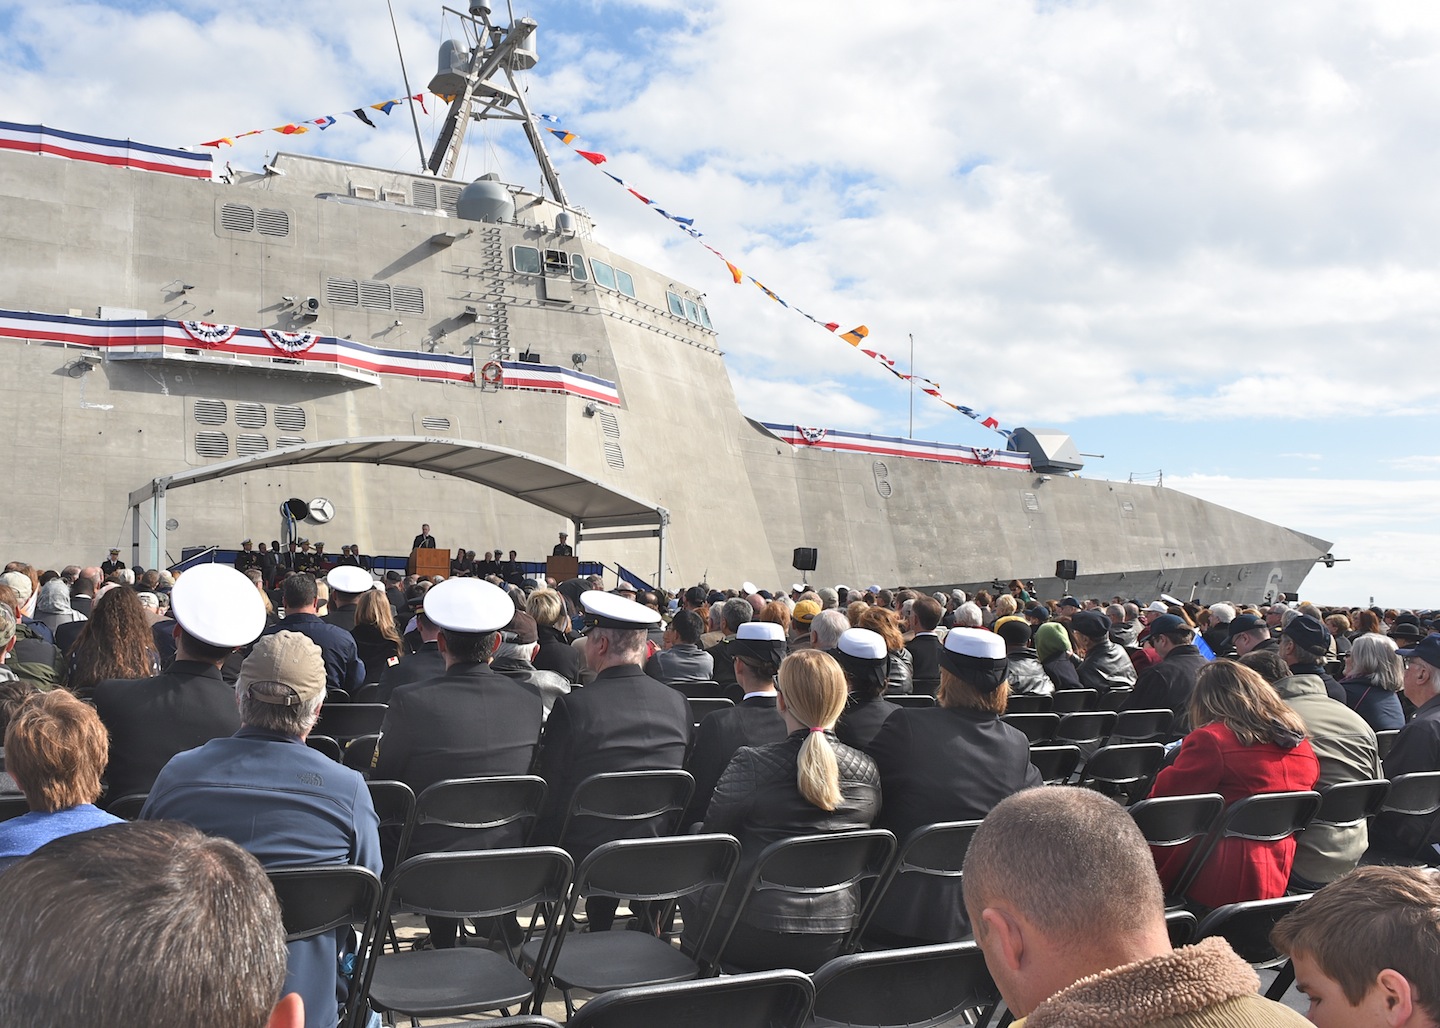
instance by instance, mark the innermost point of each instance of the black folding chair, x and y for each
(1384, 740)
(812, 865)
(703, 707)
(474, 884)
(906, 988)
(1267, 817)
(631, 797)
(481, 805)
(360, 753)
(13, 806)
(1247, 926)
(915, 699)
(1114, 699)
(1070, 701)
(1169, 821)
(636, 870)
(128, 807)
(1055, 763)
(1416, 795)
(706, 690)
(1146, 725)
(1347, 804)
(345, 721)
(775, 999)
(1181, 926)
(326, 745)
(1085, 728)
(1123, 771)
(316, 900)
(932, 853)
(1028, 703)
(394, 804)
(1038, 728)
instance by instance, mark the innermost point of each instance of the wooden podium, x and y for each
(562, 569)
(428, 563)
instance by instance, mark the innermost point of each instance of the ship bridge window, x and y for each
(289, 418)
(705, 317)
(577, 268)
(604, 274)
(677, 305)
(624, 282)
(557, 262)
(692, 312)
(526, 260)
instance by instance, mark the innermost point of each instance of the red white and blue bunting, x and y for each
(292, 343)
(889, 446)
(120, 153)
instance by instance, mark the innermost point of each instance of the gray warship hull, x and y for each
(157, 325)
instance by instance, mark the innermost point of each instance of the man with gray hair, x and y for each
(1062, 892)
(734, 613)
(827, 628)
(968, 615)
(288, 805)
(624, 720)
(1217, 636)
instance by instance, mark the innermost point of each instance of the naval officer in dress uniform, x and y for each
(624, 720)
(469, 722)
(217, 611)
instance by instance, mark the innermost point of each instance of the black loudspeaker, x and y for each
(805, 558)
(1065, 570)
(297, 508)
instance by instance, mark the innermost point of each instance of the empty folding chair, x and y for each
(919, 900)
(1085, 729)
(1145, 725)
(325, 745)
(1123, 771)
(917, 699)
(1416, 796)
(906, 988)
(635, 870)
(1114, 699)
(316, 900)
(1038, 728)
(1055, 763)
(488, 883)
(1070, 701)
(1247, 926)
(775, 999)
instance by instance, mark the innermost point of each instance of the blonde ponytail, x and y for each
(814, 689)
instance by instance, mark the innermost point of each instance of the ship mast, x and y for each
(481, 80)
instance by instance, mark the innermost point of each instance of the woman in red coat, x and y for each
(1248, 741)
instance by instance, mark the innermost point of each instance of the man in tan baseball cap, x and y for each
(287, 804)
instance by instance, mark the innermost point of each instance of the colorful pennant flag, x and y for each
(594, 158)
(359, 112)
(856, 334)
(218, 143)
(564, 137)
(325, 122)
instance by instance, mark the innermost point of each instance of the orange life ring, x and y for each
(492, 373)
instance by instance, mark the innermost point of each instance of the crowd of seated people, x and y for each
(567, 680)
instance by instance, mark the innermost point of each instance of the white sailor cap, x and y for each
(347, 578)
(975, 655)
(606, 610)
(760, 640)
(749, 588)
(863, 644)
(218, 605)
(797, 587)
(839, 587)
(246, 542)
(1156, 607)
(468, 605)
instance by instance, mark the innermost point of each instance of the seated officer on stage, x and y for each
(217, 611)
(622, 721)
(758, 649)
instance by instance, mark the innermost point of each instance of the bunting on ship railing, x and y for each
(324, 121)
(687, 225)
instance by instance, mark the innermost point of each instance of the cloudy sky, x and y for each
(1201, 237)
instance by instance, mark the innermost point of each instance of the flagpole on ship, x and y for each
(912, 385)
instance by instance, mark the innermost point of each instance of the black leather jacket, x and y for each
(757, 801)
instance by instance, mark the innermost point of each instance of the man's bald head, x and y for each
(1070, 861)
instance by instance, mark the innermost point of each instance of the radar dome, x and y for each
(486, 199)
